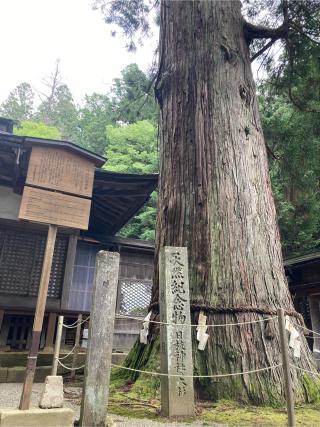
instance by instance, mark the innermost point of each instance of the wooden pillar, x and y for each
(315, 322)
(76, 346)
(54, 368)
(50, 331)
(98, 361)
(38, 318)
(1, 318)
(1, 332)
(286, 368)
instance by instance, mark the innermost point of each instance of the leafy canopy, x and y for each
(19, 104)
(37, 130)
(132, 148)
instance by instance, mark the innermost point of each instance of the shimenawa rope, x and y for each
(196, 376)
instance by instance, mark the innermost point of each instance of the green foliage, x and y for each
(59, 110)
(133, 98)
(142, 226)
(133, 149)
(19, 104)
(131, 16)
(37, 130)
(293, 139)
(94, 116)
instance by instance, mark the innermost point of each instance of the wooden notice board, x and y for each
(57, 171)
(54, 208)
(62, 170)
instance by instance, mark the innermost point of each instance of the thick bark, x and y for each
(215, 197)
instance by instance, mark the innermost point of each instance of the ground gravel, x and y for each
(10, 396)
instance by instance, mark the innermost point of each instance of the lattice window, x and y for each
(21, 258)
(134, 298)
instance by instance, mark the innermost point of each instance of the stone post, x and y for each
(177, 394)
(98, 361)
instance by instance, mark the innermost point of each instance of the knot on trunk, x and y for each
(229, 54)
(245, 94)
(270, 330)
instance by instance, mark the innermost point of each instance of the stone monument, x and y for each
(177, 394)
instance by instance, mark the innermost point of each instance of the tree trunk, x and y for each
(215, 198)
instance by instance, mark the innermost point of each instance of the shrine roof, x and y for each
(116, 197)
(28, 142)
(302, 259)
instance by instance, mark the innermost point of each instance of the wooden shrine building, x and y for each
(303, 274)
(116, 197)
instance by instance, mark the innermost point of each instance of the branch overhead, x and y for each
(260, 32)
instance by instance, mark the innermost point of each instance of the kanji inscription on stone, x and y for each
(177, 393)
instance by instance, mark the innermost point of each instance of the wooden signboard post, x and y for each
(57, 192)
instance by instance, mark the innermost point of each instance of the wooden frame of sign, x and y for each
(61, 170)
(56, 171)
(55, 208)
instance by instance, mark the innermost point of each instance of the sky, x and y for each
(35, 33)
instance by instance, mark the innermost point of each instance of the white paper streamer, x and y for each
(202, 336)
(145, 331)
(294, 340)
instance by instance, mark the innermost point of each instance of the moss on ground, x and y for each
(141, 400)
(128, 402)
(233, 414)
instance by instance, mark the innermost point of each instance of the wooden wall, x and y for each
(21, 257)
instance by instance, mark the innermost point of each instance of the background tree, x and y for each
(60, 111)
(294, 142)
(290, 107)
(19, 104)
(132, 96)
(215, 194)
(57, 107)
(133, 148)
(38, 130)
(94, 116)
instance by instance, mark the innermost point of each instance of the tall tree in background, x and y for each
(51, 84)
(19, 104)
(293, 140)
(57, 106)
(215, 193)
(94, 116)
(290, 107)
(132, 97)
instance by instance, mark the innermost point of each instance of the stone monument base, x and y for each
(35, 417)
